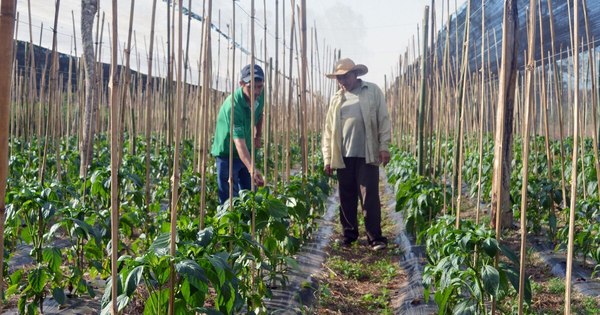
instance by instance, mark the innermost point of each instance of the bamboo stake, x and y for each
(303, 88)
(529, 99)
(149, 105)
(114, 160)
(252, 115)
(460, 99)
(423, 95)
(544, 99)
(275, 97)
(594, 94)
(32, 72)
(126, 82)
(505, 103)
(187, 67)
(176, 171)
(205, 104)
(7, 27)
(290, 98)
(568, 284)
(233, 85)
(481, 113)
(558, 97)
(53, 89)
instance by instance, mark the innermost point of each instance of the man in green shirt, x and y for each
(243, 131)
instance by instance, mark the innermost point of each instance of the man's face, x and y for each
(348, 81)
(246, 88)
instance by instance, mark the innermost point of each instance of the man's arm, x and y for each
(258, 133)
(384, 129)
(242, 149)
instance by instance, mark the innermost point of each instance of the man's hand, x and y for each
(257, 142)
(258, 179)
(384, 157)
(328, 170)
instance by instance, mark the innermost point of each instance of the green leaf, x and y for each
(133, 280)
(465, 307)
(26, 234)
(509, 254)
(422, 200)
(157, 303)
(191, 271)
(16, 276)
(490, 246)
(37, 279)
(277, 209)
(279, 230)
(59, 295)
(219, 266)
(491, 279)
(161, 244)
(88, 230)
(207, 311)
(53, 258)
(122, 301)
(205, 237)
(181, 308)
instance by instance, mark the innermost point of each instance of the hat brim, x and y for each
(256, 77)
(359, 69)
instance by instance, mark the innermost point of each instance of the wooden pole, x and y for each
(558, 97)
(503, 137)
(568, 285)
(288, 115)
(8, 9)
(303, 88)
(481, 114)
(233, 85)
(529, 99)
(594, 91)
(206, 61)
(176, 172)
(460, 99)
(114, 160)
(423, 95)
(149, 105)
(126, 87)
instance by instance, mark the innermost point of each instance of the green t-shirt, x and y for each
(242, 128)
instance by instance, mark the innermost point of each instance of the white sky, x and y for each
(371, 32)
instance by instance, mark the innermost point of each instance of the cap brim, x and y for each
(256, 77)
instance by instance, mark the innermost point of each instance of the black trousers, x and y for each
(359, 181)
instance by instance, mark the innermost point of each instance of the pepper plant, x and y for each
(461, 270)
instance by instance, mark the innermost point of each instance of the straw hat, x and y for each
(346, 65)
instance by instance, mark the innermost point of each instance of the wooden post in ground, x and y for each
(114, 160)
(7, 27)
(460, 101)
(529, 99)
(176, 142)
(423, 95)
(481, 114)
(571, 225)
(149, 105)
(303, 89)
(205, 103)
(504, 117)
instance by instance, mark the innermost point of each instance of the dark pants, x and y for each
(240, 178)
(359, 180)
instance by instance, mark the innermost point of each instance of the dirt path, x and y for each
(334, 279)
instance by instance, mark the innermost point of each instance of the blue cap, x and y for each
(246, 74)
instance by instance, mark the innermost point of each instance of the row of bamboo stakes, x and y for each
(467, 101)
(46, 107)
